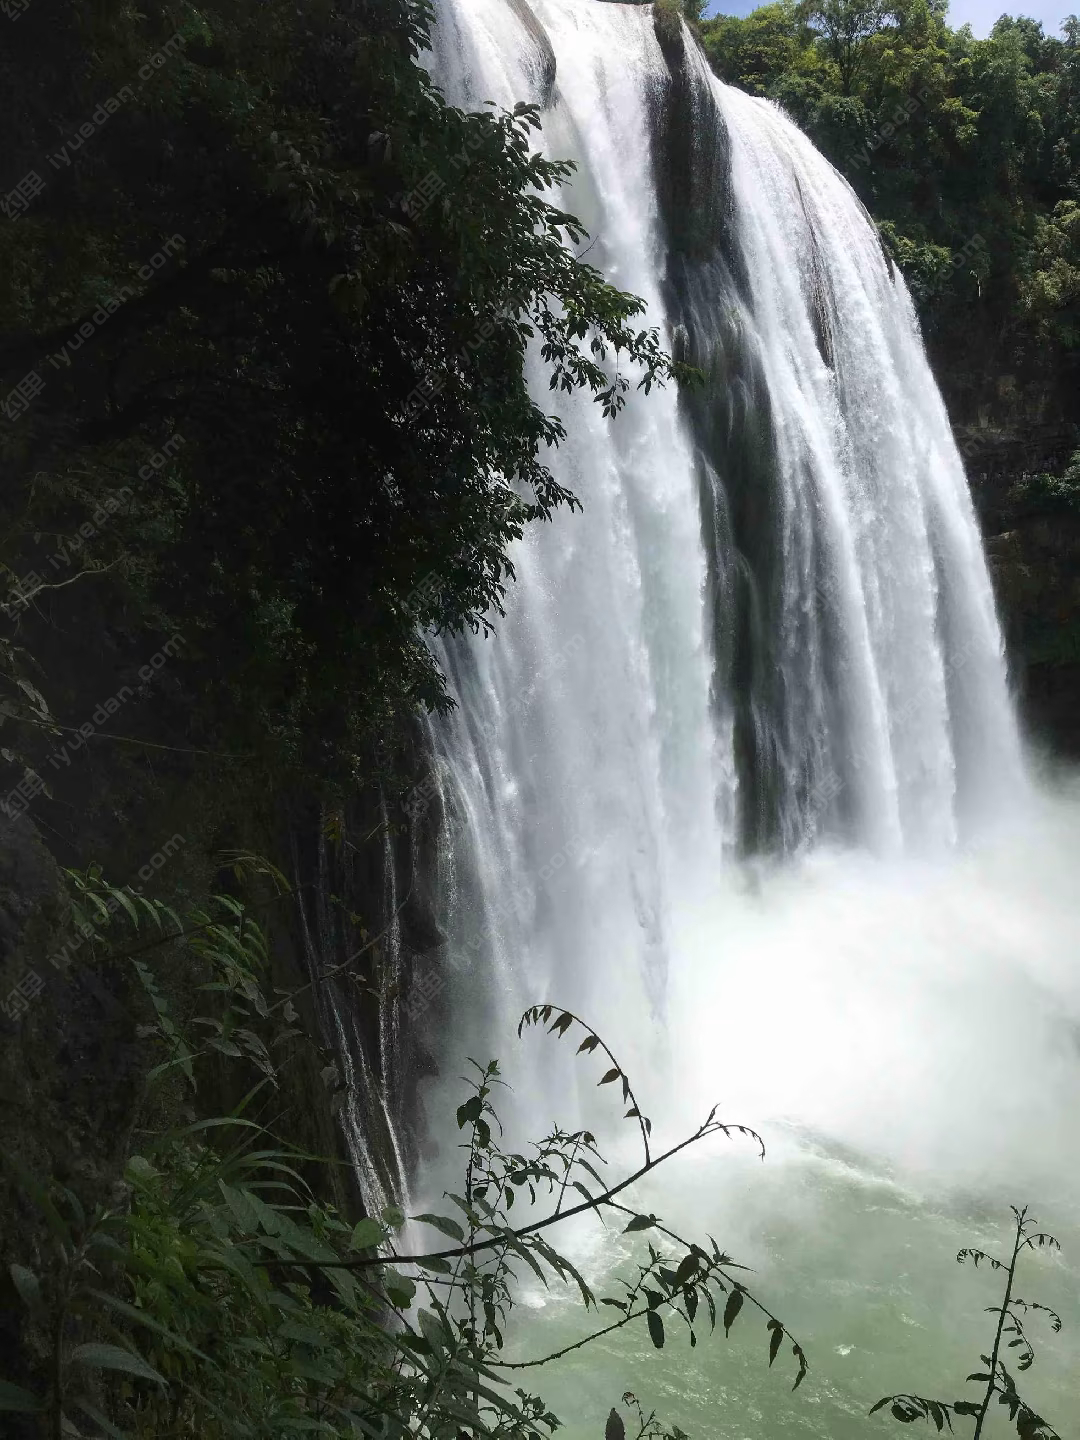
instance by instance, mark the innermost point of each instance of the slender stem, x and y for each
(992, 1382)
(566, 1350)
(566, 1175)
(54, 725)
(600, 1044)
(57, 1423)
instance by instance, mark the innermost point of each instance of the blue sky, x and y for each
(979, 14)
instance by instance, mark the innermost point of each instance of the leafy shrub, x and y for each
(217, 1294)
(1050, 494)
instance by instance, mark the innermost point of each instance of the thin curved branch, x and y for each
(709, 1128)
(131, 740)
(732, 1264)
(537, 1014)
(577, 1345)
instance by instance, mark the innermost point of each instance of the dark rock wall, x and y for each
(1035, 561)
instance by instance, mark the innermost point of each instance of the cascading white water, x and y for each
(771, 632)
(597, 781)
(586, 768)
(886, 640)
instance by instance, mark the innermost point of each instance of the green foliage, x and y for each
(1048, 494)
(1012, 1316)
(668, 16)
(315, 398)
(845, 26)
(217, 1294)
(750, 51)
(965, 152)
(694, 11)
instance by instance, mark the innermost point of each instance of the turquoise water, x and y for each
(861, 1271)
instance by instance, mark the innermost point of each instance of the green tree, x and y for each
(752, 51)
(965, 152)
(324, 281)
(845, 26)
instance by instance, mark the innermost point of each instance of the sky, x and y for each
(979, 14)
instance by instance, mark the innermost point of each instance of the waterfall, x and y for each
(772, 627)
(739, 777)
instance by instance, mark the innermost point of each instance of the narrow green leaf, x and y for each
(99, 1420)
(28, 1286)
(140, 1317)
(443, 1223)
(129, 908)
(13, 1397)
(656, 1329)
(433, 1263)
(112, 1357)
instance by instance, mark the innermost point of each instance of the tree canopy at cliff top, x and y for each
(967, 154)
(260, 277)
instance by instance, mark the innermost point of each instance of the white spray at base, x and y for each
(771, 632)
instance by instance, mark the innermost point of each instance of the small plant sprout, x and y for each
(1010, 1333)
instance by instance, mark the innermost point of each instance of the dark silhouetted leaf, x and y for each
(443, 1223)
(469, 1112)
(641, 1222)
(775, 1339)
(687, 1266)
(614, 1429)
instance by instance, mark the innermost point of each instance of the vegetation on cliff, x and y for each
(216, 1291)
(263, 419)
(967, 154)
(270, 296)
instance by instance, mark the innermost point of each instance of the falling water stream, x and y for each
(739, 777)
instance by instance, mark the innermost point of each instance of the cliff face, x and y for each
(1034, 553)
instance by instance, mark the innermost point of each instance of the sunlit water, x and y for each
(771, 632)
(906, 1040)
